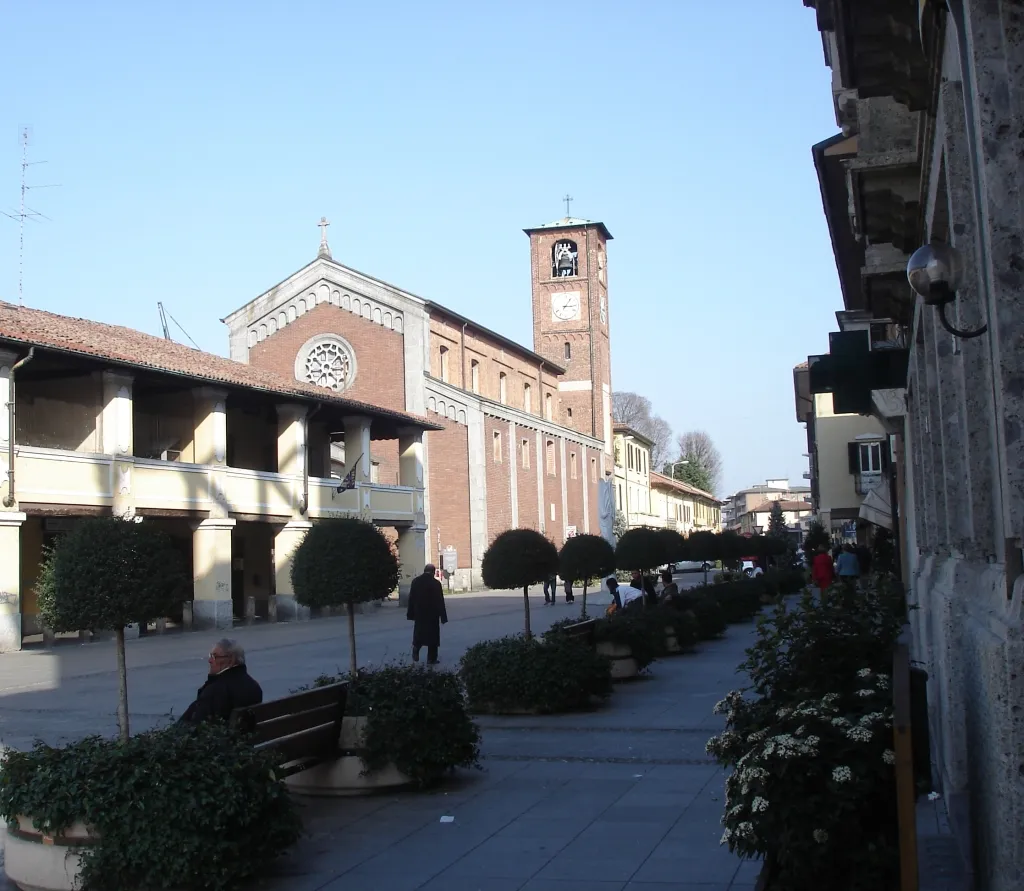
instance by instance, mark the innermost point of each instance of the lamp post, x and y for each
(935, 271)
(674, 465)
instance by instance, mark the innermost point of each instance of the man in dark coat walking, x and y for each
(426, 609)
(227, 687)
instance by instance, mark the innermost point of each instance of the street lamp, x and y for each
(935, 271)
(674, 465)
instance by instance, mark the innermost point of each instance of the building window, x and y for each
(593, 470)
(551, 457)
(564, 259)
(497, 447)
(618, 496)
(326, 361)
(568, 350)
(865, 457)
(549, 410)
(503, 388)
(474, 376)
(568, 414)
(525, 450)
(552, 511)
(527, 398)
(572, 465)
(444, 364)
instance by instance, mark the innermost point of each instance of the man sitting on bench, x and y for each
(228, 686)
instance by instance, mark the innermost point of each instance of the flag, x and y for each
(349, 482)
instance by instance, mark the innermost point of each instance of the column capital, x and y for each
(118, 377)
(215, 524)
(213, 394)
(357, 419)
(416, 432)
(291, 411)
(12, 518)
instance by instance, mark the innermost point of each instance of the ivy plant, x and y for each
(186, 807)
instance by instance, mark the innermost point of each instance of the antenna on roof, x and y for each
(25, 212)
(164, 316)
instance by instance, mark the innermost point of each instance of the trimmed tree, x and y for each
(641, 548)
(705, 546)
(344, 562)
(519, 558)
(816, 537)
(674, 545)
(584, 559)
(108, 573)
(777, 522)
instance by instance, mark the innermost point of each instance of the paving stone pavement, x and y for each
(620, 799)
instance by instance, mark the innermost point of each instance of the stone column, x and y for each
(585, 477)
(287, 539)
(7, 362)
(211, 572)
(412, 556)
(211, 443)
(513, 475)
(410, 458)
(291, 448)
(565, 485)
(117, 436)
(476, 451)
(357, 447)
(10, 581)
(542, 469)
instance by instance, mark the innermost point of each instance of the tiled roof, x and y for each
(126, 346)
(659, 479)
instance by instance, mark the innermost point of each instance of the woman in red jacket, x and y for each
(822, 570)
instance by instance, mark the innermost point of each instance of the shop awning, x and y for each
(876, 508)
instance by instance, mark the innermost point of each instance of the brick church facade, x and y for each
(527, 438)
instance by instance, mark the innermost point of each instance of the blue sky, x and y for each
(197, 145)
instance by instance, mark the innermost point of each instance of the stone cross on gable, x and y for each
(324, 251)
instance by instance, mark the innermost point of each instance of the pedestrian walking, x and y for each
(669, 588)
(568, 592)
(550, 587)
(426, 609)
(847, 565)
(822, 571)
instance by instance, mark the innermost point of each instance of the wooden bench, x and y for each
(301, 730)
(582, 631)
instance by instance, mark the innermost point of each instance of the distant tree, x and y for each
(108, 573)
(344, 561)
(703, 461)
(519, 558)
(777, 522)
(585, 559)
(636, 411)
(815, 538)
(620, 525)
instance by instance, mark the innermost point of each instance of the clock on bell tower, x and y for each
(569, 282)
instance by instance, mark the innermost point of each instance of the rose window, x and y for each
(329, 365)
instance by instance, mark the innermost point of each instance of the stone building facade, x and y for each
(526, 438)
(930, 99)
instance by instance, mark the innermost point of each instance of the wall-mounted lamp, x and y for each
(935, 271)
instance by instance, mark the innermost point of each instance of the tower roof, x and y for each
(571, 223)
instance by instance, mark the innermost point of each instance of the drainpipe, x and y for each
(12, 418)
(304, 502)
(540, 389)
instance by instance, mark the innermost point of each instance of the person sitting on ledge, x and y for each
(228, 686)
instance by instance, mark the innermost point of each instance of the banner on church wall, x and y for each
(606, 510)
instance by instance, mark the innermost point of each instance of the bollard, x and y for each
(186, 615)
(161, 626)
(272, 608)
(250, 610)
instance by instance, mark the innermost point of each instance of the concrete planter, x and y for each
(35, 861)
(671, 641)
(344, 775)
(623, 664)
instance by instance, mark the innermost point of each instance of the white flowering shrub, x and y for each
(813, 786)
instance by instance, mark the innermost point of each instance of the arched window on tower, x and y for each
(568, 350)
(564, 259)
(549, 412)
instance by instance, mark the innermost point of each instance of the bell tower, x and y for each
(569, 282)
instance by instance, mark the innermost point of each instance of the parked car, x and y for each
(751, 570)
(694, 566)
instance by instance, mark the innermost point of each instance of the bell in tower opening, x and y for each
(564, 259)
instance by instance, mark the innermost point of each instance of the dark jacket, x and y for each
(427, 610)
(222, 694)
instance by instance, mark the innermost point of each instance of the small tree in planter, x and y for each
(186, 807)
(673, 546)
(108, 573)
(633, 630)
(585, 559)
(817, 537)
(640, 549)
(415, 720)
(703, 546)
(519, 558)
(344, 561)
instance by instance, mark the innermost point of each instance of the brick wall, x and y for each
(385, 452)
(527, 479)
(499, 502)
(448, 489)
(380, 357)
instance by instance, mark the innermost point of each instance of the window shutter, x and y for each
(854, 450)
